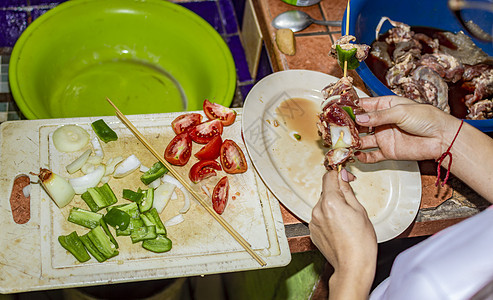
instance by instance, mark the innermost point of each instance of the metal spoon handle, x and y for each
(328, 23)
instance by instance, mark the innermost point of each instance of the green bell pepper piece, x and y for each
(134, 223)
(157, 170)
(132, 209)
(90, 197)
(102, 242)
(160, 244)
(146, 220)
(153, 216)
(103, 131)
(117, 218)
(350, 112)
(74, 245)
(108, 232)
(132, 196)
(91, 248)
(347, 55)
(147, 201)
(108, 194)
(143, 233)
(99, 197)
(84, 217)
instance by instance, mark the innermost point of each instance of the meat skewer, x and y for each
(336, 121)
(336, 124)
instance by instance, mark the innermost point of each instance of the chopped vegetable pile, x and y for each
(139, 217)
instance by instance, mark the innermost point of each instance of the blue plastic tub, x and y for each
(365, 15)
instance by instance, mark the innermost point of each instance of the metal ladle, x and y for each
(298, 20)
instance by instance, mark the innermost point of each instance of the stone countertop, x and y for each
(440, 206)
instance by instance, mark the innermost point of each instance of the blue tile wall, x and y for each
(239, 6)
(208, 10)
(236, 48)
(224, 15)
(13, 23)
(228, 16)
(12, 3)
(45, 2)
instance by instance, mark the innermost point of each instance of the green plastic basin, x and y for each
(149, 56)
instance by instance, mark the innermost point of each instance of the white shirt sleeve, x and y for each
(453, 264)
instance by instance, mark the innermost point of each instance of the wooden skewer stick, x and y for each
(347, 17)
(341, 137)
(175, 174)
(339, 167)
(347, 32)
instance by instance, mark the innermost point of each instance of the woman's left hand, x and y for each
(342, 231)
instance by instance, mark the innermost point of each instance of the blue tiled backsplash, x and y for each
(224, 15)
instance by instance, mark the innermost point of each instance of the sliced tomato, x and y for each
(217, 111)
(184, 122)
(232, 158)
(203, 169)
(179, 150)
(211, 150)
(205, 132)
(220, 195)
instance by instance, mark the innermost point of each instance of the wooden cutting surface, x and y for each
(32, 259)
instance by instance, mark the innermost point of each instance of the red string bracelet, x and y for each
(442, 157)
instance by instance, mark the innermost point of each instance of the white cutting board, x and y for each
(32, 259)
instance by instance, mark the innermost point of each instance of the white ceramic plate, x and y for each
(283, 107)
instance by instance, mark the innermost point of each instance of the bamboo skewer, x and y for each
(347, 32)
(175, 174)
(339, 167)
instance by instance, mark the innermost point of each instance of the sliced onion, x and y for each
(105, 179)
(81, 184)
(186, 205)
(155, 184)
(162, 195)
(126, 167)
(174, 220)
(174, 196)
(322, 105)
(88, 168)
(173, 180)
(111, 164)
(341, 136)
(143, 168)
(57, 187)
(95, 160)
(98, 149)
(70, 138)
(79, 162)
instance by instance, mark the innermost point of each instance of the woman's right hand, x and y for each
(404, 130)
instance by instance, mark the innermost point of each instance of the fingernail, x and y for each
(364, 118)
(344, 175)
